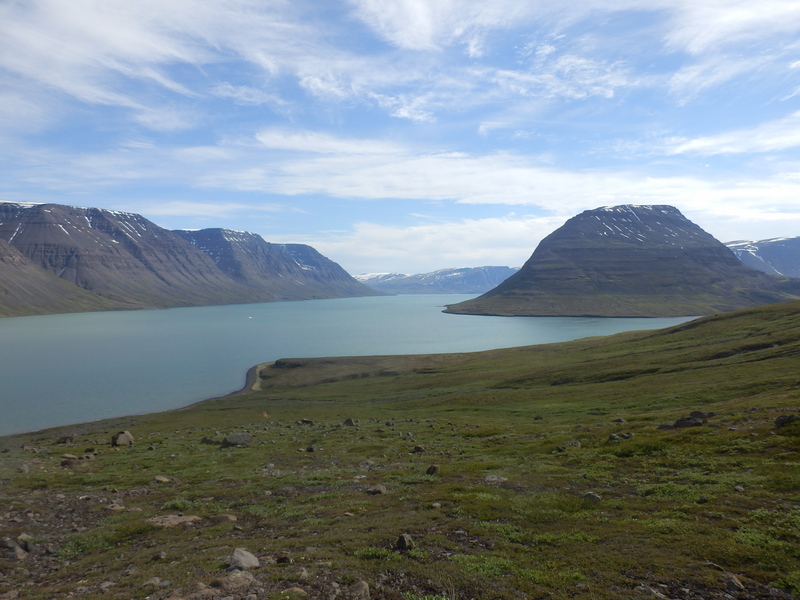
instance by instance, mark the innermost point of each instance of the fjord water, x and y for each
(63, 369)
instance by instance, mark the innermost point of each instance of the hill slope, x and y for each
(467, 280)
(552, 471)
(630, 261)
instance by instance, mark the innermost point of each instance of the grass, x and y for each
(506, 516)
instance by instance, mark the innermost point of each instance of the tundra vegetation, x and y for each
(549, 471)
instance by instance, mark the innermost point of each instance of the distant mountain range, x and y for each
(56, 258)
(776, 256)
(628, 261)
(467, 280)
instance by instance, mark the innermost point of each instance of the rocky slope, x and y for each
(283, 271)
(627, 261)
(468, 280)
(94, 259)
(776, 256)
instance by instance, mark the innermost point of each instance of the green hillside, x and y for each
(559, 475)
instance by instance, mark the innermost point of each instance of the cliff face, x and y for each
(467, 280)
(776, 256)
(626, 261)
(95, 259)
(27, 289)
(282, 271)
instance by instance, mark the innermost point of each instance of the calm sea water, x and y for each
(62, 369)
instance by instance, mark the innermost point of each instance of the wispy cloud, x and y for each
(774, 136)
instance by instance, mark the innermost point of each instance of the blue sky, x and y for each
(405, 135)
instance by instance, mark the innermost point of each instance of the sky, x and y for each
(405, 135)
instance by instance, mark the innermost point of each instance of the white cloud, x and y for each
(372, 247)
(774, 136)
(320, 143)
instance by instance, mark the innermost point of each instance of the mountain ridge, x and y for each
(774, 256)
(459, 280)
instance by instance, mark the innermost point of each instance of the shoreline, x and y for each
(251, 384)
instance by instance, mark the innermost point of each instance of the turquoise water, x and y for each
(62, 369)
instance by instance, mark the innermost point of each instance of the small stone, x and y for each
(376, 490)
(161, 479)
(418, 449)
(404, 542)
(350, 422)
(738, 488)
(592, 497)
(23, 468)
(645, 591)
(432, 470)
(311, 448)
(732, 583)
(284, 558)
(160, 555)
(359, 590)
(172, 520)
(223, 518)
(243, 559)
(294, 592)
(495, 479)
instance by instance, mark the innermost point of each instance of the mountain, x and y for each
(468, 280)
(282, 271)
(630, 261)
(776, 256)
(78, 259)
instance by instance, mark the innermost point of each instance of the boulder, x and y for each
(404, 542)
(172, 520)
(689, 422)
(566, 445)
(239, 440)
(242, 559)
(785, 420)
(359, 591)
(122, 438)
(234, 582)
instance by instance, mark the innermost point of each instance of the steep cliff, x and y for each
(626, 261)
(283, 271)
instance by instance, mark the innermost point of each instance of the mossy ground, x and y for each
(506, 516)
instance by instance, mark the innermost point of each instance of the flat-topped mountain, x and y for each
(467, 280)
(78, 259)
(630, 261)
(283, 271)
(776, 256)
